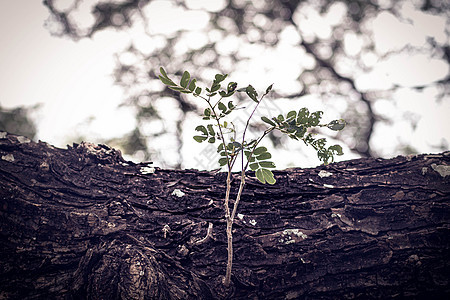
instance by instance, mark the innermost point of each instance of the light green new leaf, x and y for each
(268, 176)
(260, 175)
(185, 79)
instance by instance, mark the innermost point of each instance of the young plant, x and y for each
(294, 124)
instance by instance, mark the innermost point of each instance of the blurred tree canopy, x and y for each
(18, 121)
(321, 49)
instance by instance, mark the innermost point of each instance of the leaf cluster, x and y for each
(296, 125)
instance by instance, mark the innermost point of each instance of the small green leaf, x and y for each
(336, 125)
(198, 90)
(219, 78)
(199, 138)
(268, 121)
(266, 164)
(336, 149)
(268, 176)
(207, 112)
(269, 88)
(231, 105)
(265, 155)
(185, 79)
(222, 161)
(192, 85)
(215, 88)
(314, 118)
(251, 92)
(303, 115)
(212, 140)
(167, 81)
(222, 107)
(291, 115)
(202, 129)
(260, 175)
(178, 89)
(163, 72)
(259, 150)
(254, 166)
(280, 118)
(211, 130)
(231, 87)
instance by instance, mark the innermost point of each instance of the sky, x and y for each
(73, 83)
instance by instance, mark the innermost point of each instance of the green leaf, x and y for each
(291, 115)
(250, 90)
(231, 87)
(219, 78)
(266, 164)
(198, 90)
(207, 112)
(269, 88)
(303, 115)
(259, 150)
(178, 89)
(314, 118)
(260, 175)
(163, 72)
(268, 176)
(222, 107)
(215, 88)
(185, 79)
(211, 130)
(192, 85)
(336, 125)
(167, 81)
(265, 155)
(268, 121)
(231, 105)
(222, 161)
(280, 118)
(254, 166)
(202, 129)
(199, 138)
(336, 149)
(212, 140)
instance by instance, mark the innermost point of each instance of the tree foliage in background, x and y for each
(18, 121)
(240, 31)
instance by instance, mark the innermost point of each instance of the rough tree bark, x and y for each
(83, 223)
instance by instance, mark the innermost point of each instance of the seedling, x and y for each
(295, 125)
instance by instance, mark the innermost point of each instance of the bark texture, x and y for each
(83, 223)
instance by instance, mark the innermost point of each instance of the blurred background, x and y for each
(87, 70)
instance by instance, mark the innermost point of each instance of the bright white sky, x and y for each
(72, 80)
